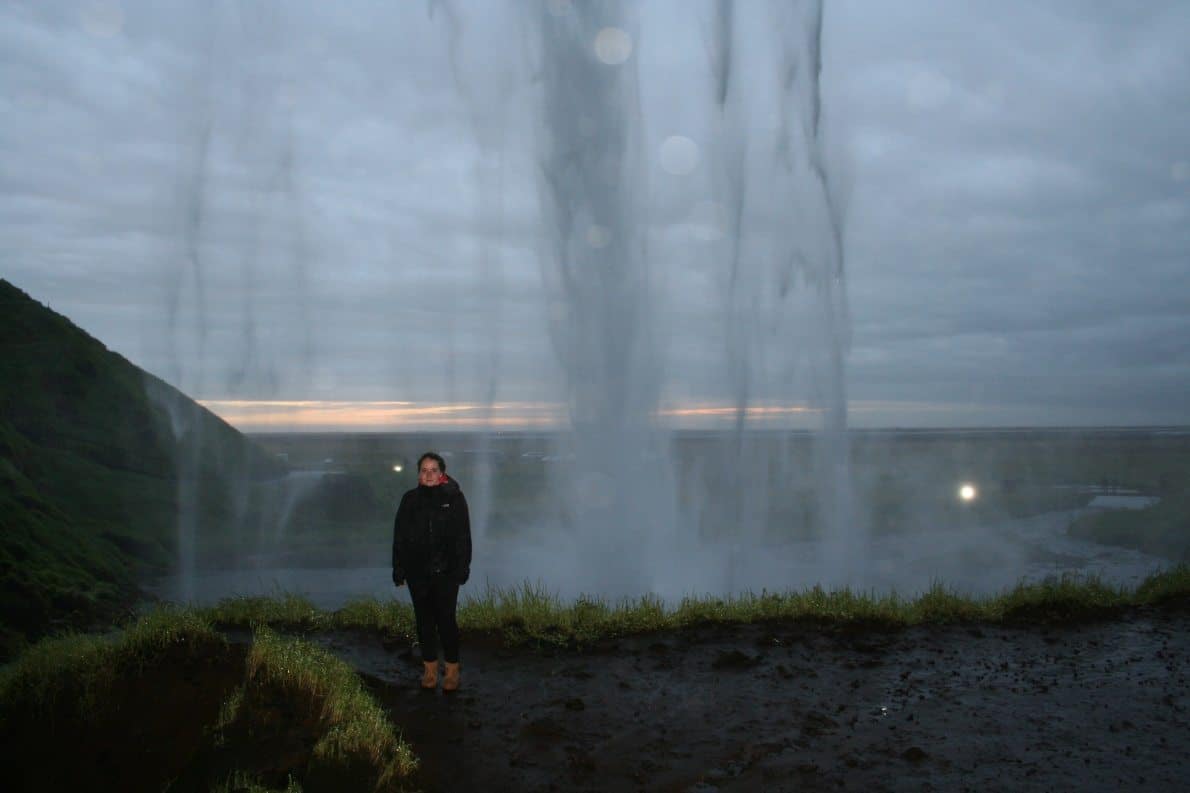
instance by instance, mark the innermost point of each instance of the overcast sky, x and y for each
(271, 202)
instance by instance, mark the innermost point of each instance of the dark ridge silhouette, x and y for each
(88, 473)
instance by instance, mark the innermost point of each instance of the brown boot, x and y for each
(450, 681)
(429, 677)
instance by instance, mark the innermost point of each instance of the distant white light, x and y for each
(598, 236)
(102, 18)
(613, 46)
(398, 468)
(967, 492)
(678, 155)
(708, 221)
(1180, 171)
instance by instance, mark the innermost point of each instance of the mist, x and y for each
(617, 224)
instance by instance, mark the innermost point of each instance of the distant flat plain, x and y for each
(1031, 485)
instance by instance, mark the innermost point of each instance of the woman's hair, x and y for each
(432, 456)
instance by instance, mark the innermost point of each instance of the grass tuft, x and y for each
(355, 732)
(940, 604)
(73, 687)
(391, 618)
(532, 614)
(1060, 599)
(84, 668)
(1165, 587)
(283, 611)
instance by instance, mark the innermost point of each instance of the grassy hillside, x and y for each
(92, 453)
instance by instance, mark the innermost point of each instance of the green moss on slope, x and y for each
(89, 471)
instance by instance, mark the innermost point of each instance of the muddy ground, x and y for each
(784, 707)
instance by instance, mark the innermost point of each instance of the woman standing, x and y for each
(432, 552)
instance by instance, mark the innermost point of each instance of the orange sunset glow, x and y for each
(398, 416)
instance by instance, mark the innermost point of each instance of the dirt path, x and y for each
(791, 707)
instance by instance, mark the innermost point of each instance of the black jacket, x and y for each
(432, 534)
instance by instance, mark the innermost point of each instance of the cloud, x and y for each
(328, 204)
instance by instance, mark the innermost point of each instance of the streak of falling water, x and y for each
(800, 33)
(780, 259)
(783, 295)
(187, 306)
(484, 80)
(620, 496)
(258, 134)
(743, 508)
(784, 300)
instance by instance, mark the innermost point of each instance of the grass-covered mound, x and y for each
(531, 614)
(92, 450)
(169, 703)
(87, 713)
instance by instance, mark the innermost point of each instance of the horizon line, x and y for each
(386, 416)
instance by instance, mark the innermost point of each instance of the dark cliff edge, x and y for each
(94, 456)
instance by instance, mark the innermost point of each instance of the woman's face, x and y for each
(429, 474)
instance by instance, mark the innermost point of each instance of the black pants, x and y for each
(434, 602)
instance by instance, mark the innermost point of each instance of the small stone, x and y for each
(914, 754)
(734, 659)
